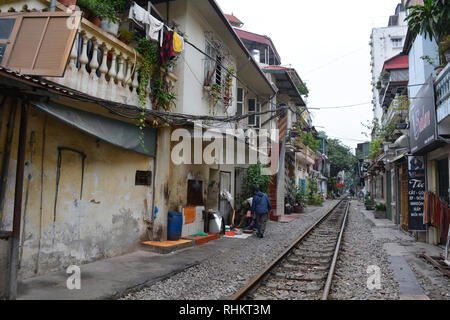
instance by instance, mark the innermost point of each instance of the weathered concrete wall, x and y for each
(5, 248)
(91, 214)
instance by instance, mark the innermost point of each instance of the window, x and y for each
(240, 102)
(254, 120)
(252, 109)
(219, 70)
(143, 178)
(213, 69)
(258, 118)
(397, 42)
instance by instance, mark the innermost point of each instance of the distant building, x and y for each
(363, 150)
(385, 43)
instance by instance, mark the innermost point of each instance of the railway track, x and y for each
(305, 270)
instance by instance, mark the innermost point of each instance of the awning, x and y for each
(116, 132)
(397, 158)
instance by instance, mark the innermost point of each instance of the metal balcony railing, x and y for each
(102, 66)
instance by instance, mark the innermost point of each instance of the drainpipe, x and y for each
(52, 5)
(18, 203)
(6, 155)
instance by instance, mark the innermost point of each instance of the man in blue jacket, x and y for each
(260, 208)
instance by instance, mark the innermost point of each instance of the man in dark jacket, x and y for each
(260, 208)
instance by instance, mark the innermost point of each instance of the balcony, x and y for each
(442, 92)
(396, 113)
(104, 67)
(306, 156)
(395, 85)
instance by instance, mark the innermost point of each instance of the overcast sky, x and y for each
(327, 42)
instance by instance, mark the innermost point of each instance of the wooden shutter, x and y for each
(40, 42)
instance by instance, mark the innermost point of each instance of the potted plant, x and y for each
(370, 204)
(300, 201)
(379, 85)
(380, 211)
(89, 7)
(103, 13)
(126, 36)
(445, 48)
(385, 76)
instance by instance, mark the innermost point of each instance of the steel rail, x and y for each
(329, 282)
(258, 278)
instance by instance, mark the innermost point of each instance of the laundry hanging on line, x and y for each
(155, 30)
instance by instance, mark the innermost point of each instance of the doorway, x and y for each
(224, 205)
(443, 179)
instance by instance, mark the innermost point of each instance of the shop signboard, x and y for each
(422, 114)
(416, 193)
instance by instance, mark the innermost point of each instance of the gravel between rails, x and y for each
(360, 250)
(227, 272)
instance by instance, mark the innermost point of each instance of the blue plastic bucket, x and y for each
(175, 226)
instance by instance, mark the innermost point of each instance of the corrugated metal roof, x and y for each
(257, 38)
(233, 19)
(36, 81)
(399, 61)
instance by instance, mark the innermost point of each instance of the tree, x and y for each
(309, 140)
(341, 158)
(254, 178)
(432, 19)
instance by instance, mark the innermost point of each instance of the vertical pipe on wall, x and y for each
(52, 5)
(18, 203)
(6, 154)
(44, 134)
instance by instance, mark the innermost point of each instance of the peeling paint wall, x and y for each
(95, 211)
(5, 249)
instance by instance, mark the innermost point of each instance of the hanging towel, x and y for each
(434, 205)
(438, 211)
(426, 210)
(155, 29)
(178, 43)
(139, 15)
